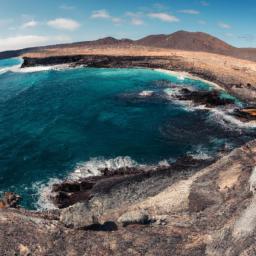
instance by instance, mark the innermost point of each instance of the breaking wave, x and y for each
(225, 118)
(41, 68)
(92, 167)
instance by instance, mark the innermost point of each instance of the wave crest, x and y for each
(94, 166)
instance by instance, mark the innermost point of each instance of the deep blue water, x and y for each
(51, 121)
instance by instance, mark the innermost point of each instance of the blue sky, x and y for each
(33, 22)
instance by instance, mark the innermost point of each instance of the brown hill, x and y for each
(180, 40)
(189, 41)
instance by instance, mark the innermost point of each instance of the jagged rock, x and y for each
(9, 200)
(208, 98)
(246, 114)
(134, 217)
(78, 216)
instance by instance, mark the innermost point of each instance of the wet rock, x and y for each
(68, 193)
(246, 114)
(134, 217)
(10, 200)
(207, 98)
(78, 216)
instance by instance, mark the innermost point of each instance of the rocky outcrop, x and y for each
(207, 98)
(210, 211)
(78, 216)
(87, 189)
(246, 114)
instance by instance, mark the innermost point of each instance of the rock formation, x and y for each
(208, 211)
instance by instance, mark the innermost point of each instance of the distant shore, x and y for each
(182, 74)
(237, 77)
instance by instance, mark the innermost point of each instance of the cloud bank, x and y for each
(64, 24)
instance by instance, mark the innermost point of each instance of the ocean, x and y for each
(58, 123)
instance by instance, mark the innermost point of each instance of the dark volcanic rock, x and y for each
(246, 114)
(208, 98)
(70, 192)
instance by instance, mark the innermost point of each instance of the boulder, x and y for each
(134, 217)
(78, 216)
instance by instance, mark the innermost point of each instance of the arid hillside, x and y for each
(180, 40)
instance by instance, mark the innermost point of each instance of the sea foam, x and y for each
(89, 168)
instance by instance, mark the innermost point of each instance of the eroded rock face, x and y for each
(78, 216)
(10, 200)
(68, 192)
(208, 211)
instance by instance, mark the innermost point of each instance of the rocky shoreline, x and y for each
(187, 209)
(173, 63)
(192, 207)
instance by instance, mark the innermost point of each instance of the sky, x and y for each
(27, 23)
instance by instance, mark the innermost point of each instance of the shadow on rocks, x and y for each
(108, 226)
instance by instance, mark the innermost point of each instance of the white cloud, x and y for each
(66, 24)
(135, 18)
(22, 41)
(104, 14)
(25, 41)
(30, 24)
(163, 17)
(100, 14)
(224, 25)
(137, 21)
(189, 11)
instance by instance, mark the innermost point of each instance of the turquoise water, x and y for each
(51, 121)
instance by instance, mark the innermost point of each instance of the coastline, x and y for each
(235, 81)
(180, 212)
(183, 197)
(184, 74)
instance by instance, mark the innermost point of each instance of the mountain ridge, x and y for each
(180, 40)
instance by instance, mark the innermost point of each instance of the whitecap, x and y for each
(43, 192)
(146, 93)
(14, 68)
(42, 68)
(92, 167)
(225, 118)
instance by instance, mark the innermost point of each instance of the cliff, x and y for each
(210, 211)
